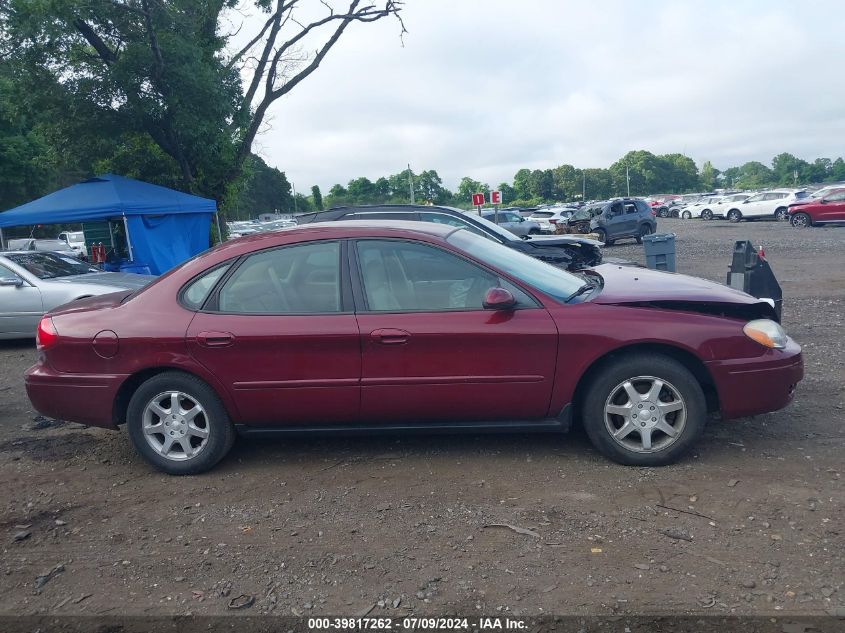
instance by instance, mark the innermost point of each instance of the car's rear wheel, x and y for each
(780, 214)
(663, 212)
(734, 215)
(644, 410)
(645, 229)
(801, 220)
(686, 215)
(178, 424)
(707, 214)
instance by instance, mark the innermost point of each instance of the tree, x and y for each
(787, 168)
(429, 187)
(755, 175)
(360, 190)
(162, 68)
(709, 175)
(264, 189)
(317, 197)
(521, 184)
(682, 173)
(508, 193)
(467, 187)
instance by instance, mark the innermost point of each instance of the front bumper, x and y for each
(751, 386)
(84, 398)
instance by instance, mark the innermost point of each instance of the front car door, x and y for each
(20, 305)
(279, 332)
(431, 352)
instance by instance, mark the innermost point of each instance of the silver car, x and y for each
(34, 282)
(513, 222)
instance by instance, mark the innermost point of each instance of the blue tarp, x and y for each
(166, 227)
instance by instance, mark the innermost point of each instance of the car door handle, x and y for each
(215, 339)
(389, 336)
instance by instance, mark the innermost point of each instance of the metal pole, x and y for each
(219, 232)
(2, 241)
(583, 187)
(411, 183)
(295, 211)
(128, 240)
(628, 180)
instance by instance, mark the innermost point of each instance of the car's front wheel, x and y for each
(686, 215)
(734, 215)
(644, 410)
(178, 424)
(801, 220)
(707, 214)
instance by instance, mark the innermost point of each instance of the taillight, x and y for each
(552, 221)
(46, 335)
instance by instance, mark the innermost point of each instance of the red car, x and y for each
(369, 326)
(810, 211)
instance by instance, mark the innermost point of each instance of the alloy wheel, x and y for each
(645, 414)
(707, 214)
(175, 425)
(801, 220)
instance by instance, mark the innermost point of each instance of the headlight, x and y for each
(766, 332)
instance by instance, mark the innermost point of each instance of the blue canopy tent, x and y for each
(163, 227)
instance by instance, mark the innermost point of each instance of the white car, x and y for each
(718, 207)
(695, 209)
(76, 240)
(548, 218)
(768, 204)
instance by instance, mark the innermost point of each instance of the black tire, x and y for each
(686, 215)
(780, 214)
(801, 220)
(734, 216)
(674, 213)
(602, 235)
(645, 229)
(607, 381)
(663, 212)
(221, 433)
(707, 214)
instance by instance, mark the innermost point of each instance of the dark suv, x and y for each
(565, 251)
(617, 219)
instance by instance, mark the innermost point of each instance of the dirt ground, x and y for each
(750, 523)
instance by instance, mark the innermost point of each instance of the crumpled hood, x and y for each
(128, 281)
(557, 240)
(626, 284)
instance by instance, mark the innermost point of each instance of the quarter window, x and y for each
(302, 279)
(198, 290)
(403, 276)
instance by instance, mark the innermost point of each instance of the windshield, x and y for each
(50, 265)
(544, 277)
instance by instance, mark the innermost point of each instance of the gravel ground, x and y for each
(750, 523)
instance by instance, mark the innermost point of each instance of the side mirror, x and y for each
(17, 282)
(498, 299)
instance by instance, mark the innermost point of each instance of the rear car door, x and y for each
(431, 352)
(280, 334)
(832, 209)
(20, 305)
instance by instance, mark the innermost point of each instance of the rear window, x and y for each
(50, 265)
(542, 214)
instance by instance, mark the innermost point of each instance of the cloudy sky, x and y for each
(482, 88)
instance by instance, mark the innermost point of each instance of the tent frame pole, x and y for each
(128, 239)
(2, 241)
(219, 232)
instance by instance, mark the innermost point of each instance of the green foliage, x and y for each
(317, 197)
(263, 189)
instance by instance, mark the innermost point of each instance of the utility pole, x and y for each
(295, 211)
(628, 180)
(583, 186)
(411, 183)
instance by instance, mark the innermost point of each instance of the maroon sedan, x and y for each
(370, 327)
(824, 210)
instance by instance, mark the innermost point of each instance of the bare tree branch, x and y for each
(106, 54)
(252, 42)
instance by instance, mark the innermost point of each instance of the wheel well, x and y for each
(687, 359)
(130, 386)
